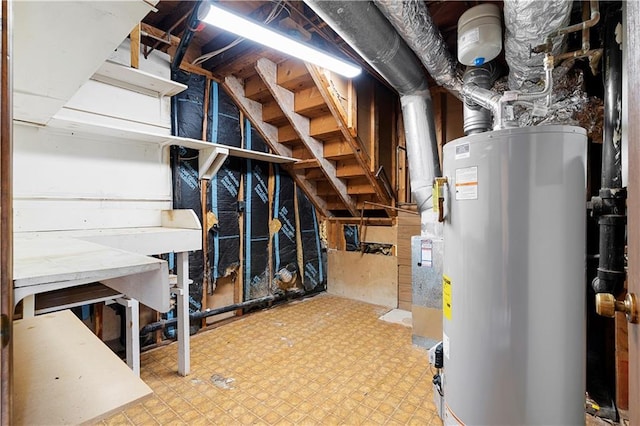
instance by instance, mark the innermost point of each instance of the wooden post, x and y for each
(135, 46)
(206, 282)
(98, 317)
(633, 92)
(6, 215)
(271, 185)
(205, 118)
(238, 288)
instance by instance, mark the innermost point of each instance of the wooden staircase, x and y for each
(308, 114)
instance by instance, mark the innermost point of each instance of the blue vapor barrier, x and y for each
(351, 237)
(284, 248)
(268, 220)
(223, 118)
(257, 278)
(222, 200)
(314, 264)
(188, 112)
(224, 235)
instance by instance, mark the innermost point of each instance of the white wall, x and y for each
(64, 181)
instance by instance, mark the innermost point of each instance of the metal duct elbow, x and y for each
(368, 32)
(527, 23)
(413, 22)
(423, 157)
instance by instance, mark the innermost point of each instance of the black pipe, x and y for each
(612, 132)
(187, 35)
(609, 206)
(191, 23)
(158, 325)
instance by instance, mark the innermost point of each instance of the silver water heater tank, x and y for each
(514, 277)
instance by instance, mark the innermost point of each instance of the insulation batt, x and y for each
(528, 22)
(413, 22)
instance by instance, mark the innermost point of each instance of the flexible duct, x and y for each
(369, 33)
(527, 23)
(413, 22)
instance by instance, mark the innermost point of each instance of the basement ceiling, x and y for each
(225, 57)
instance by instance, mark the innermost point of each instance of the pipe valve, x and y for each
(607, 306)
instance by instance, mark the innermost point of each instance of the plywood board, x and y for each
(63, 374)
(222, 296)
(371, 278)
(379, 234)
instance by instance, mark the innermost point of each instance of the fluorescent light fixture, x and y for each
(228, 21)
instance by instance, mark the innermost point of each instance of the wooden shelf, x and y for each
(92, 126)
(63, 374)
(137, 80)
(81, 123)
(72, 39)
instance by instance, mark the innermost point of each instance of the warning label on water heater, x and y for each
(467, 183)
(446, 296)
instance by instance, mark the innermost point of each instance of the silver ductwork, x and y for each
(413, 22)
(477, 119)
(368, 32)
(527, 24)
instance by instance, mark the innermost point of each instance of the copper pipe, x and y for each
(582, 26)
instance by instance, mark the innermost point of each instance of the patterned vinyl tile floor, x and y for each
(324, 360)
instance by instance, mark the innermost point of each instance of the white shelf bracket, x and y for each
(210, 161)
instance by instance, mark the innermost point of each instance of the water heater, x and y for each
(514, 277)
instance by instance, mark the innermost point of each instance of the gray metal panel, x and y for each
(426, 279)
(515, 257)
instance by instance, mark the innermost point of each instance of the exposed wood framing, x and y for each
(305, 164)
(360, 156)
(6, 215)
(268, 71)
(293, 75)
(135, 46)
(253, 110)
(158, 34)
(402, 187)
(172, 40)
(205, 115)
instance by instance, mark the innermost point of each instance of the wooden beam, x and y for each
(255, 89)
(378, 221)
(314, 174)
(346, 129)
(306, 164)
(158, 34)
(269, 133)
(268, 72)
(324, 127)
(196, 69)
(135, 46)
(310, 103)
(338, 149)
(6, 214)
(287, 135)
(292, 74)
(349, 168)
(359, 186)
(272, 114)
(253, 110)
